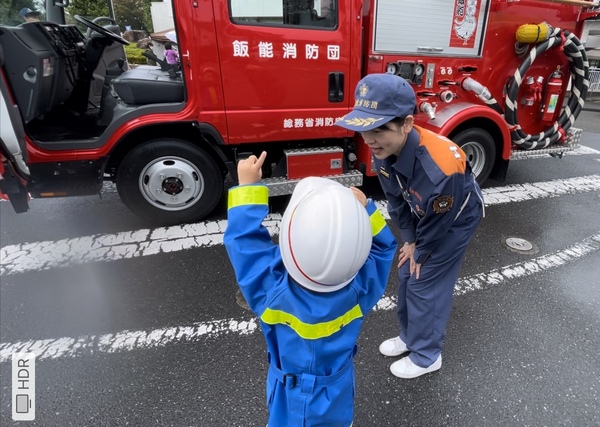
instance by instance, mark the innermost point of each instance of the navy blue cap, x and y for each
(379, 98)
(26, 11)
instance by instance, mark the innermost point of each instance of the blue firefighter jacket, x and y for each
(427, 186)
(311, 337)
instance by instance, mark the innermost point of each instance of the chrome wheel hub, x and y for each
(171, 183)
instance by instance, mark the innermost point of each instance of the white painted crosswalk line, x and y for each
(139, 340)
(111, 247)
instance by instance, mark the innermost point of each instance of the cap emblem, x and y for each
(363, 90)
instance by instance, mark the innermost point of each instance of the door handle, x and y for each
(336, 87)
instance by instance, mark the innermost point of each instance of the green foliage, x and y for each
(134, 54)
(9, 11)
(133, 13)
(88, 8)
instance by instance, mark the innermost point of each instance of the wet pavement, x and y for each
(140, 326)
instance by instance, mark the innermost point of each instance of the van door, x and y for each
(14, 171)
(286, 67)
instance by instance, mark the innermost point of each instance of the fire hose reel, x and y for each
(545, 37)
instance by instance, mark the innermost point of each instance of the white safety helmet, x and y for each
(325, 235)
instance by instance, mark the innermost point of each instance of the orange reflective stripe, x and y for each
(449, 157)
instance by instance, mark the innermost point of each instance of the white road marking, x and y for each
(111, 247)
(139, 340)
(111, 188)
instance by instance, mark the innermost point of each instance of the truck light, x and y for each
(54, 194)
(351, 157)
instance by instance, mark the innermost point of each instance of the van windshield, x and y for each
(17, 12)
(13, 13)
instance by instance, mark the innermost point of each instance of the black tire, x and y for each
(480, 149)
(169, 181)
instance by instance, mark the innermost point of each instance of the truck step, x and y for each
(572, 143)
(280, 186)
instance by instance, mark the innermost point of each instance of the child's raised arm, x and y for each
(253, 254)
(373, 276)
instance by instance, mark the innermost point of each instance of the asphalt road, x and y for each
(136, 325)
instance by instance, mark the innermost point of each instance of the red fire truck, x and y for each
(499, 77)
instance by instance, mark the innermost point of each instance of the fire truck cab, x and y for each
(499, 77)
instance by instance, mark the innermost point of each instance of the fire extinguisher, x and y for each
(553, 91)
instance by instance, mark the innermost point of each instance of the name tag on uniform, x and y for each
(384, 173)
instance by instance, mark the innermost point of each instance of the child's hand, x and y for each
(249, 170)
(360, 196)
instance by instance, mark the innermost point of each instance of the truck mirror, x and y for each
(61, 3)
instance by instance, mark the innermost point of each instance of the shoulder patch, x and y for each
(442, 204)
(448, 157)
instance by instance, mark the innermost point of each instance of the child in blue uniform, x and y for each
(310, 292)
(435, 201)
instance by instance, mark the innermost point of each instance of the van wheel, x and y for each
(480, 149)
(169, 182)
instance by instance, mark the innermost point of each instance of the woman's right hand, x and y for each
(407, 252)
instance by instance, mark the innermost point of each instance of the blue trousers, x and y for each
(424, 304)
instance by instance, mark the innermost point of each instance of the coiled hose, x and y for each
(579, 69)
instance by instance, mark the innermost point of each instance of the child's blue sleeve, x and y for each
(254, 256)
(372, 278)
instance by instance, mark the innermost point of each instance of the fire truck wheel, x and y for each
(480, 149)
(169, 182)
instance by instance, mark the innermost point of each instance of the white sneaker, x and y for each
(393, 347)
(405, 368)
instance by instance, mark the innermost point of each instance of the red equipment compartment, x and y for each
(314, 162)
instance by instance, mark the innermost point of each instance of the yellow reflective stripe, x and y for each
(377, 222)
(311, 331)
(248, 195)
